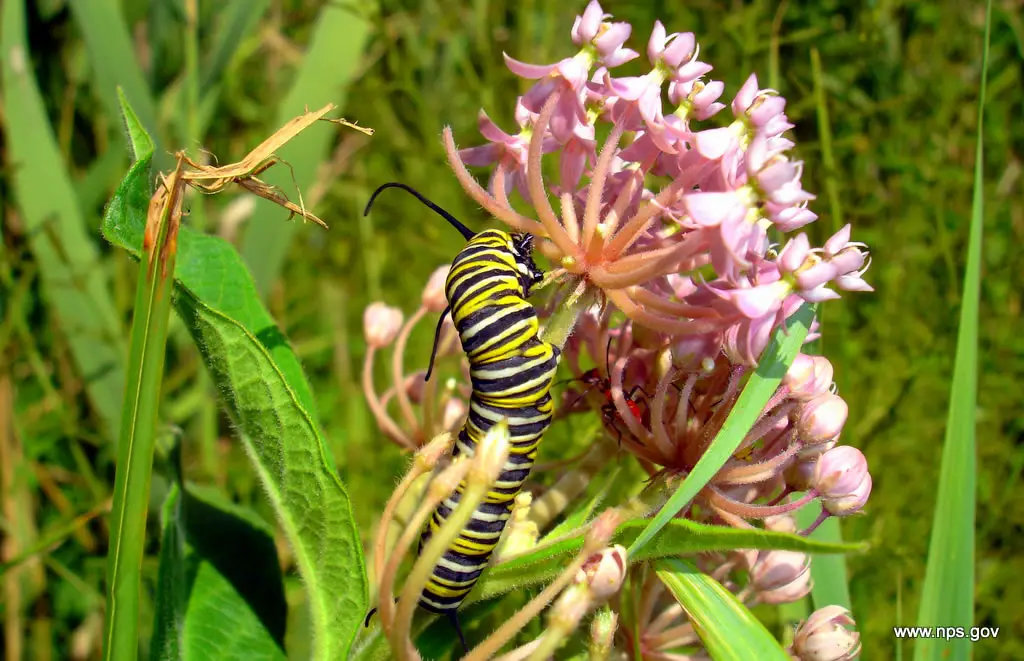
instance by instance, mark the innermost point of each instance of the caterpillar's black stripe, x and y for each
(511, 371)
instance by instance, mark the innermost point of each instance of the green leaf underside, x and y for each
(268, 398)
(727, 629)
(762, 384)
(219, 593)
(679, 537)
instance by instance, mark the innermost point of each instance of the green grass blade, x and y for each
(947, 598)
(139, 419)
(219, 590)
(238, 19)
(679, 537)
(726, 627)
(113, 60)
(762, 385)
(331, 58)
(268, 398)
(57, 231)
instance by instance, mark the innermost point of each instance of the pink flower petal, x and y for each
(529, 71)
(745, 96)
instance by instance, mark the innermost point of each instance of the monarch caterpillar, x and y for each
(511, 372)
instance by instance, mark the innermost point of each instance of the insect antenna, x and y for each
(454, 222)
(437, 340)
(454, 617)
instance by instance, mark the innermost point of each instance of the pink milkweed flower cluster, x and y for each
(646, 250)
(694, 275)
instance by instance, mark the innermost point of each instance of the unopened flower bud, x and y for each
(812, 452)
(491, 453)
(692, 351)
(431, 453)
(822, 418)
(381, 324)
(799, 475)
(603, 528)
(414, 385)
(602, 634)
(454, 414)
(808, 376)
(522, 533)
(604, 572)
(781, 577)
(841, 477)
(824, 636)
(433, 294)
(780, 523)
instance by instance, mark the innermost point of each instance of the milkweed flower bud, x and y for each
(824, 636)
(692, 352)
(491, 453)
(414, 385)
(602, 633)
(434, 298)
(780, 523)
(454, 413)
(822, 418)
(381, 324)
(781, 576)
(604, 572)
(842, 478)
(799, 475)
(808, 376)
(432, 452)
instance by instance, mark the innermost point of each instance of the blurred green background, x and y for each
(900, 83)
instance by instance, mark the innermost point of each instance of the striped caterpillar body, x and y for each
(511, 370)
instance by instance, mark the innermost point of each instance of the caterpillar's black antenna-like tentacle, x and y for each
(437, 339)
(467, 233)
(454, 617)
(366, 622)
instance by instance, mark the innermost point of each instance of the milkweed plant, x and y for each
(676, 246)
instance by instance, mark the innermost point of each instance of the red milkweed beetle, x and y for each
(593, 379)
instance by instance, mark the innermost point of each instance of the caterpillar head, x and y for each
(529, 274)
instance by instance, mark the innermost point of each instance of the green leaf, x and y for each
(219, 593)
(762, 385)
(678, 537)
(726, 627)
(268, 398)
(139, 418)
(947, 598)
(57, 231)
(331, 58)
(141, 144)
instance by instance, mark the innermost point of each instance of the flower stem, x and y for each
(472, 496)
(562, 322)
